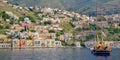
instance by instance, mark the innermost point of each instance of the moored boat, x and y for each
(101, 48)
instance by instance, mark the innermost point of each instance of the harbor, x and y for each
(52, 44)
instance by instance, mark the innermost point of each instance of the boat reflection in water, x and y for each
(103, 57)
(101, 51)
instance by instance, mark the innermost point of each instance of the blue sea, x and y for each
(55, 54)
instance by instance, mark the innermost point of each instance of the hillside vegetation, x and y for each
(80, 6)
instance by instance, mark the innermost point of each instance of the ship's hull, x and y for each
(101, 52)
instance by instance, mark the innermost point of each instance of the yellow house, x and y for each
(3, 38)
(19, 28)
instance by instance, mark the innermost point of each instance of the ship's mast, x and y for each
(96, 10)
(96, 37)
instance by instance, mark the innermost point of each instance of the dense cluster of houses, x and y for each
(28, 34)
(115, 19)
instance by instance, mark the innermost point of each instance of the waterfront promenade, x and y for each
(52, 44)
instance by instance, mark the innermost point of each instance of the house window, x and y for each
(37, 42)
(56, 43)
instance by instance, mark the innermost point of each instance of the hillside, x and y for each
(18, 22)
(80, 6)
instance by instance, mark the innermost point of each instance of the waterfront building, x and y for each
(37, 43)
(23, 43)
(16, 43)
(57, 44)
(5, 45)
(47, 43)
(29, 43)
(77, 44)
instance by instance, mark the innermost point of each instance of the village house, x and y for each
(31, 8)
(61, 38)
(46, 43)
(16, 43)
(18, 28)
(46, 35)
(22, 43)
(81, 36)
(89, 32)
(115, 19)
(27, 20)
(66, 37)
(79, 23)
(58, 44)
(3, 38)
(77, 44)
(102, 24)
(12, 15)
(47, 10)
(5, 45)
(36, 8)
(24, 34)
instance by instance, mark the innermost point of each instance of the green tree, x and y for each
(51, 31)
(2, 31)
(82, 43)
(7, 26)
(10, 36)
(60, 33)
(1, 26)
(47, 22)
(31, 18)
(5, 16)
(12, 22)
(89, 36)
(21, 19)
(117, 30)
(79, 29)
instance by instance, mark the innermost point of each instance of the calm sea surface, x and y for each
(55, 54)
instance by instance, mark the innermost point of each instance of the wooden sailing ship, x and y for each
(101, 48)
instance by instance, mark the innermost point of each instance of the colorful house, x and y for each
(16, 43)
(57, 44)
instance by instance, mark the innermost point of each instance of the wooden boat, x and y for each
(101, 49)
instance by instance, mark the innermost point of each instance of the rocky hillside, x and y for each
(80, 6)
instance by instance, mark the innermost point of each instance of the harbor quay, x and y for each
(38, 43)
(49, 43)
(112, 44)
